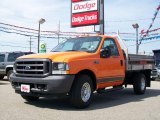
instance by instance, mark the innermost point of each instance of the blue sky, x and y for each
(118, 14)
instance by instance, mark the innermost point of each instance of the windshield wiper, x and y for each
(55, 51)
(71, 50)
(77, 51)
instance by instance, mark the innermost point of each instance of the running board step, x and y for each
(100, 91)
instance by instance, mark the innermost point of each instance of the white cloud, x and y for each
(29, 11)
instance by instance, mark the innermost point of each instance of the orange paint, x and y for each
(78, 61)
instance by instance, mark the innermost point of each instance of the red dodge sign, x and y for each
(76, 0)
(84, 6)
(82, 19)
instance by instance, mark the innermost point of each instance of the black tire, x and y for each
(30, 98)
(9, 74)
(77, 97)
(1, 77)
(153, 79)
(139, 84)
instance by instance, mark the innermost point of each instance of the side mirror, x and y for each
(105, 52)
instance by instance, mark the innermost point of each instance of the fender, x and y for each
(8, 66)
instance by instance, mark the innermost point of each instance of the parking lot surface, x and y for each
(118, 105)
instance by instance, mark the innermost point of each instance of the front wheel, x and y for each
(139, 84)
(30, 98)
(82, 92)
(1, 77)
(9, 74)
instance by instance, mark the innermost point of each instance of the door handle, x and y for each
(121, 62)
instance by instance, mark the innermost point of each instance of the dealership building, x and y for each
(157, 56)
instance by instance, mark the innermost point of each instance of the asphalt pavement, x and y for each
(118, 105)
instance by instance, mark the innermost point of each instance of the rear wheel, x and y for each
(30, 98)
(9, 74)
(139, 84)
(1, 77)
(82, 92)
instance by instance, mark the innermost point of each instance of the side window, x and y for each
(112, 45)
(2, 57)
(13, 56)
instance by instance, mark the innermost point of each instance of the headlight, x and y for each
(60, 68)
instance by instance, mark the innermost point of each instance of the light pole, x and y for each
(41, 21)
(30, 43)
(136, 26)
(59, 27)
(102, 25)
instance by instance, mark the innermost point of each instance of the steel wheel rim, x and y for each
(143, 84)
(85, 92)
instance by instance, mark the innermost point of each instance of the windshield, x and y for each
(87, 44)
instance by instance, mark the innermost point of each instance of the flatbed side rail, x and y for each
(140, 62)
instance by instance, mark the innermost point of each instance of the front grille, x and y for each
(33, 67)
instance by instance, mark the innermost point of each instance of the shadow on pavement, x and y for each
(4, 82)
(4, 79)
(99, 101)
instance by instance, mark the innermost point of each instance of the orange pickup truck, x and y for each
(80, 66)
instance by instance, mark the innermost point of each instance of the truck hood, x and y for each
(58, 56)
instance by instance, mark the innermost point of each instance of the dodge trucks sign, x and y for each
(84, 13)
(88, 18)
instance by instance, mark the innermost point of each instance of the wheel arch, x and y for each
(9, 68)
(90, 74)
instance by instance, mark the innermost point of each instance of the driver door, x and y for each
(111, 68)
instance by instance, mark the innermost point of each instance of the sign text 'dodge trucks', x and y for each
(88, 18)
